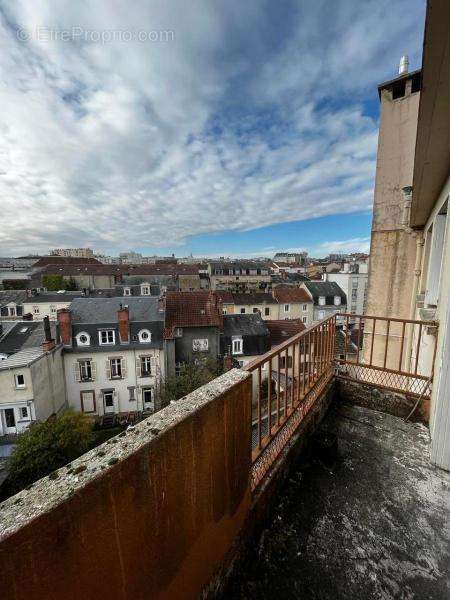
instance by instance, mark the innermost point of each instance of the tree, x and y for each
(192, 375)
(54, 282)
(46, 446)
(71, 284)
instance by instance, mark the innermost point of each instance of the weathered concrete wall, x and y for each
(393, 403)
(149, 514)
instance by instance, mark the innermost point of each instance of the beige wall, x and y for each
(393, 248)
(45, 309)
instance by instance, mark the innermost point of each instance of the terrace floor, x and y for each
(374, 525)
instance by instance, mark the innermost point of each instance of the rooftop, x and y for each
(104, 310)
(24, 334)
(22, 358)
(374, 525)
(192, 309)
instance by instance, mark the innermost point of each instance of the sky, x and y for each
(194, 126)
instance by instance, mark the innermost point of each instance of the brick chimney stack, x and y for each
(65, 326)
(123, 318)
(48, 343)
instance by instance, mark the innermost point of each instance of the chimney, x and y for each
(404, 65)
(123, 318)
(227, 362)
(65, 326)
(161, 304)
(48, 343)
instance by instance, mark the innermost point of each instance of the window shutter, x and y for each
(138, 367)
(124, 368)
(108, 369)
(93, 370)
(76, 371)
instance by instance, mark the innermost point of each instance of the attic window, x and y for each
(399, 89)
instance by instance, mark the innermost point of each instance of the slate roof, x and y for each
(192, 309)
(291, 295)
(14, 296)
(104, 310)
(24, 334)
(244, 325)
(329, 289)
(53, 297)
(282, 330)
(254, 298)
(23, 358)
(64, 260)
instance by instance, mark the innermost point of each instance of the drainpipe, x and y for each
(407, 199)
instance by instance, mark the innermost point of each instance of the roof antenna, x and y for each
(404, 65)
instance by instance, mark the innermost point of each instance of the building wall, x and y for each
(45, 309)
(122, 401)
(240, 282)
(346, 282)
(183, 345)
(392, 251)
(48, 385)
(12, 397)
(188, 283)
(276, 311)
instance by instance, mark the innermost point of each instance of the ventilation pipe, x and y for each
(404, 65)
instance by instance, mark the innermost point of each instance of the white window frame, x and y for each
(26, 416)
(145, 290)
(12, 311)
(304, 319)
(435, 260)
(126, 291)
(337, 300)
(145, 332)
(320, 315)
(267, 311)
(287, 308)
(86, 366)
(78, 339)
(304, 307)
(116, 368)
(242, 310)
(35, 310)
(146, 361)
(17, 385)
(200, 345)
(322, 300)
(237, 345)
(107, 332)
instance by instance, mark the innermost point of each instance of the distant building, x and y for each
(299, 258)
(239, 276)
(328, 298)
(73, 252)
(132, 258)
(353, 280)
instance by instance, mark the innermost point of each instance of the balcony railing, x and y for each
(287, 380)
(394, 354)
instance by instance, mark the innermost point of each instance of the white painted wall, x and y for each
(45, 309)
(122, 401)
(349, 282)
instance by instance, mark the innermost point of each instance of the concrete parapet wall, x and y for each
(149, 514)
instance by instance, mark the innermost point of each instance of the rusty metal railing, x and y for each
(390, 353)
(287, 381)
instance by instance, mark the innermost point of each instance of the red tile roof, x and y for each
(65, 260)
(285, 295)
(280, 331)
(192, 309)
(225, 297)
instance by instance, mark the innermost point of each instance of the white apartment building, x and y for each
(353, 280)
(113, 354)
(73, 252)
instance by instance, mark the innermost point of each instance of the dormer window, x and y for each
(145, 336)
(337, 300)
(145, 290)
(322, 300)
(237, 344)
(106, 337)
(127, 291)
(83, 339)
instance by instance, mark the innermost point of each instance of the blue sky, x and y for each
(211, 127)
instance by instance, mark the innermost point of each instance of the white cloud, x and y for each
(240, 122)
(358, 244)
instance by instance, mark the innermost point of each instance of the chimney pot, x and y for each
(123, 318)
(404, 65)
(65, 326)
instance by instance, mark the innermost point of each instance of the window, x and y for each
(145, 290)
(200, 345)
(36, 310)
(321, 315)
(435, 258)
(131, 391)
(145, 337)
(224, 311)
(147, 398)
(304, 307)
(304, 319)
(267, 311)
(322, 300)
(283, 362)
(255, 310)
(116, 368)
(236, 345)
(12, 311)
(399, 89)
(146, 366)
(108, 400)
(83, 339)
(19, 380)
(287, 307)
(106, 337)
(354, 294)
(52, 309)
(85, 367)
(24, 412)
(337, 300)
(242, 311)
(126, 291)
(178, 332)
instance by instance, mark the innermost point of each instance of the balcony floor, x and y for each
(376, 525)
